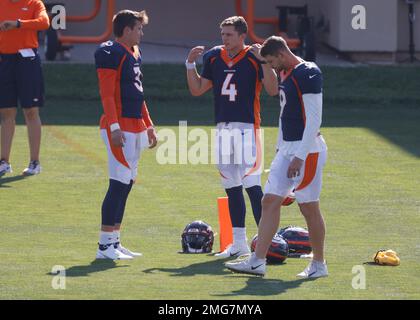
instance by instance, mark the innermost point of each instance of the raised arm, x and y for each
(270, 80)
(196, 84)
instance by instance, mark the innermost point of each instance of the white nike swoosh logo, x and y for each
(310, 77)
(109, 52)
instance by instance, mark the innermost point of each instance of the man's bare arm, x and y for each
(196, 84)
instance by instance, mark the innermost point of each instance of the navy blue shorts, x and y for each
(21, 80)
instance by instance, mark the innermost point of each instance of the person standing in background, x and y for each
(21, 78)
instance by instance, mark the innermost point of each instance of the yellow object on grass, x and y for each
(387, 257)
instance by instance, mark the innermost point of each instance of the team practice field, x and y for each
(370, 196)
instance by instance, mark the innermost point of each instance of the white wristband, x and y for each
(190, 65)
(115, 126)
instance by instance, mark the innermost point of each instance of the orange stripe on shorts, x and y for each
(310, 170)
(117, 151)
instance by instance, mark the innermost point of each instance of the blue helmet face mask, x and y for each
(197, 237)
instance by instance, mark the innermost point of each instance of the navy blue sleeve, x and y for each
(106, 57)
(309, 80)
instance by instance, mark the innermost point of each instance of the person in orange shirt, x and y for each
(126, 127)
(21, 76)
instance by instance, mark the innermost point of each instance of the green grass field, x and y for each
(370, 199)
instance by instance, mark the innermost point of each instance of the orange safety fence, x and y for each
(88, 17)
(92, 39)
(250, 18)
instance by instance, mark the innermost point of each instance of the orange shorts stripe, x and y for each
(310, 170)
(117, 151)
(221, 174)
(258, 161)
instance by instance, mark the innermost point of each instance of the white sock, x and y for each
(116, 237)
(106, 237)
(239, 237)
(256, 260)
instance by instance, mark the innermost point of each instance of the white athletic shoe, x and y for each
(112, 253)
(5, 167)
(247, 266)
(127, 252)
(315, 269)
(233, 251)
(33, 168)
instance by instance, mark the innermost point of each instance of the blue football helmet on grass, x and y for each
(197, 237)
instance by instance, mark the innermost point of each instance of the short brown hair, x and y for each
(273, 45)
(238, 22)
(128, 18)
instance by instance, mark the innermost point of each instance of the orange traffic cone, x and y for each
(225, 225)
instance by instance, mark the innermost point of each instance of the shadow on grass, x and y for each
(98, 265)
(6, 180)
(374, 264)
(257, 286)
(214, 267)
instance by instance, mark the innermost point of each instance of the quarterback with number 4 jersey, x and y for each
(236, 75)
(236, 85)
